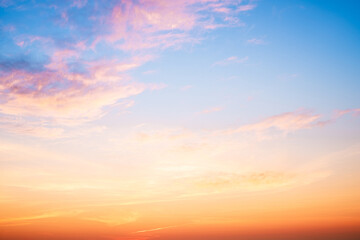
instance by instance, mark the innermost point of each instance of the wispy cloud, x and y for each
(217, 182)
(258, 179)
(79, 3)
(231, 60)
(354, 111)
(211, 110)
(256, 41)
(245, 8)
(149, 24)
(28, 219)
(24, 128)
(288, 77)
(289, 122)
(285, 123)
(186, 87)
(149, 72)
(155, 229)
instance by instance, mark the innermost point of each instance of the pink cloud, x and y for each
(59, 93)
(340, 113)
(286, 122)
(222, 10)
(138, 24)
(290, 122)
(245, 8)
(20, 44)
(281, 124)
(152, 23)
(65, 17)
(211, 110)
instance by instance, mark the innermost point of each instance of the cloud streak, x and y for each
(211, 110)
(155, 229)
(231, 60)
(284, 123)
(256, 41)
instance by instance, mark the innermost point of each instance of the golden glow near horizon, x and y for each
(156, 120)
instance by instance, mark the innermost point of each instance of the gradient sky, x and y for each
(186, 119)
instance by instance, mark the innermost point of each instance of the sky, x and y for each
(186, 119)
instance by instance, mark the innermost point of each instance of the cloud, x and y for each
(149, 24)
(25, 40)
(186, 87)
(72, 87)
(58, 92)
(27, 219)
(47, 129)
(79, 3)
(256, 41)
(245, 8)
(110, 217)
(288, 77)
(215, 182)
(155, 229)
(211, 110)
(230, 60)
(144, 24)
(285, 123)
(25, 128)
(6, 3)
(47, 94)
(354, 111)
(255, 179)
(338, 114)
(149, 72)
(9, 28)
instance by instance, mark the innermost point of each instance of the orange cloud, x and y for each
(154, 229)
(256, 179)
